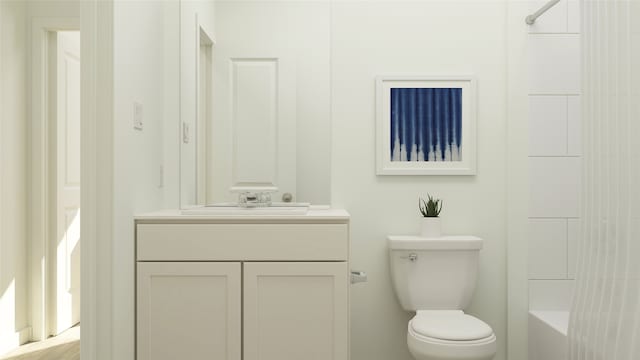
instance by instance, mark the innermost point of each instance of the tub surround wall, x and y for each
(441, 38)
(555, 150)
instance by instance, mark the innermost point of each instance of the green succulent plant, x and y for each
(430, 208)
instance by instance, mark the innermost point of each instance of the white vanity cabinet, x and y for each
(242, 288)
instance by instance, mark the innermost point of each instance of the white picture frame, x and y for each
(424, 153)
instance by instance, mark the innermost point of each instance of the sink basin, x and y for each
(233, 209)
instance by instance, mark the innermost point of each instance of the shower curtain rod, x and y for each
(531, 19)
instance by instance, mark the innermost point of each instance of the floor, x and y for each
(65, 346)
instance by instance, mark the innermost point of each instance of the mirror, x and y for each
(255, 100)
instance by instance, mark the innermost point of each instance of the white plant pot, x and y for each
(431, 227)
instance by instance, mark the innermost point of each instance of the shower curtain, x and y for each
(605, 317)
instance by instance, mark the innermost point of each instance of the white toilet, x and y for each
(436, 277)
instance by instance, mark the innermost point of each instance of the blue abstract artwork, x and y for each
(426, 124)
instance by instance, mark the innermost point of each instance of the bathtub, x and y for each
(548, 335)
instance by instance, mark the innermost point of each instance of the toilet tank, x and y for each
(434, 273)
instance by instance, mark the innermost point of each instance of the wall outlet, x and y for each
(137, 116)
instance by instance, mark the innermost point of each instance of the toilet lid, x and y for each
(450, 325)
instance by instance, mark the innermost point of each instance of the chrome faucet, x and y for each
(254, 199)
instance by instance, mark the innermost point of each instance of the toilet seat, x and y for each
(452, 325)
(477, 339)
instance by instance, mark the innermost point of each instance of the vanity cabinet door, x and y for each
(189, 311)
(296, 310)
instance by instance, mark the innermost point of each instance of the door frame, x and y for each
(97, 171)
(204, 114)
(39, 210)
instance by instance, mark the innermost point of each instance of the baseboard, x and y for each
(24, 335)
(12, 341)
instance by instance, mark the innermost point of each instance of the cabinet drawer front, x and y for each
(258, 242)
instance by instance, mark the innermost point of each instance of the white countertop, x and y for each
(176, 215)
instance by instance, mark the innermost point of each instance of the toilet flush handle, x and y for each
(412, 257)
(358, 277)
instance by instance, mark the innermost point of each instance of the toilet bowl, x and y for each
(449, 335)
(440, 330)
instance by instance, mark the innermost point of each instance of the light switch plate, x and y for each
(137, 116)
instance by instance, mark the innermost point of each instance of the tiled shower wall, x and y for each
(554, 154)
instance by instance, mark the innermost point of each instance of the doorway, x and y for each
(63, 298)
(203, 125)
(55, 177)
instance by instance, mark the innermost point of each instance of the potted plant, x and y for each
(430, 211)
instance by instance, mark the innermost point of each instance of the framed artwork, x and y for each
(426, 125)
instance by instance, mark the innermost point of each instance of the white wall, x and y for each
(139, 76)
(13, 175)
(554, 154)
(420, 37)
(171, 112)
(517, 179)
(53, 8)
